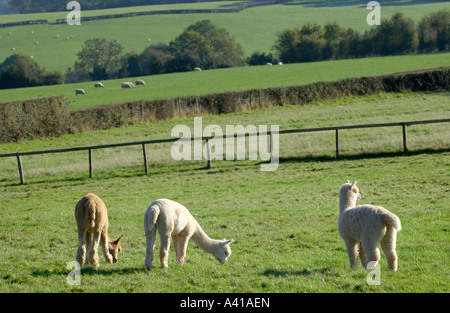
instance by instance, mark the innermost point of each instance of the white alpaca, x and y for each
(172, 219)
(364, 227)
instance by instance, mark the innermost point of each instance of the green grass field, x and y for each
(284, 222)
(232, 79)
(254, 28)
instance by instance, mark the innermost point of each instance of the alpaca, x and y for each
(172, 219)
(92, 219)
(364, 227)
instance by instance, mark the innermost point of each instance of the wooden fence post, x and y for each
(405, 148)
(19, 164)
(90, 163)
(337, 144)
(145, 159)
(208, 155)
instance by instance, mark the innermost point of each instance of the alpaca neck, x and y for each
(203, 241)
(346, 203)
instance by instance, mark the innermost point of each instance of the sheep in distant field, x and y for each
(268, 63)
(280, 63)
(36, 42)
(99, 85)
(172, 219)
(92, 224)
(79, 92)
(197, 69)
(364, 227)
(127, 85)
(140, 82)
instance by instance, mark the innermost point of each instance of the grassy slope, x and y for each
(236, 199)
(254, 28)
(233, 79)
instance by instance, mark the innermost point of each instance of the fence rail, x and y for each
(18, 155)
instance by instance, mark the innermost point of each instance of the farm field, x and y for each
(284, 222)
(232, 79)
(254, 28)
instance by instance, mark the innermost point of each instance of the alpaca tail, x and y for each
(90, 206)
(151, 217)
(393, 220)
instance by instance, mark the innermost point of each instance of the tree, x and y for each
(434, 32)
(208, 45)
(99, 58)
(396, 36)
(21, 70)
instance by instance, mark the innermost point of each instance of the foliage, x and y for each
(201, 45)
(98, 59)
(398, 35)
(21, 70)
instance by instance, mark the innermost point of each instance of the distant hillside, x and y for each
(26, 6)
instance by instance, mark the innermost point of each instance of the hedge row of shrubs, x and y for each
(35, 118)
(51, 117)
(140, 111)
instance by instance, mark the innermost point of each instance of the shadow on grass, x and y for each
(283, 273)
(90, 271)
(362, 156)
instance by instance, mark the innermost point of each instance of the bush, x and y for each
(36, 118)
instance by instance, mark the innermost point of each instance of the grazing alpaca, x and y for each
(364, 227)
(173, 220)
(92, 219)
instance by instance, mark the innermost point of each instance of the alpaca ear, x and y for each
(354, 184)
(118, 239)
(227, 242)
(347, 181)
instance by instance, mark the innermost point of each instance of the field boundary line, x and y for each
(18, 155)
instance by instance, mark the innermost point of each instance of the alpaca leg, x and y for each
(88, 240)
(372, 254)
(150, 236)
(362, 255)
(93, 252)
(181, 249)
(175, 244)
(388, 244)
(164, 249)
(352, 251)
(81, 252)
(105, 248)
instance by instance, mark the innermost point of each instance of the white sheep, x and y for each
(140, 82)
(197, 69)
(127, 85)
(364, 227)
(268, 63)
(280, 63)
(79, 91)
(99, 85)
(172, 219)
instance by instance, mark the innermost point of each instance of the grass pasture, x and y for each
(284, 222)
(232, 79)
(254, 28)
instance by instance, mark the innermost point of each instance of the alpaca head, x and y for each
(115, 248)
(224, 251)
(349, 192)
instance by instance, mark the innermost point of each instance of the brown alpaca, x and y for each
(92, 223)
